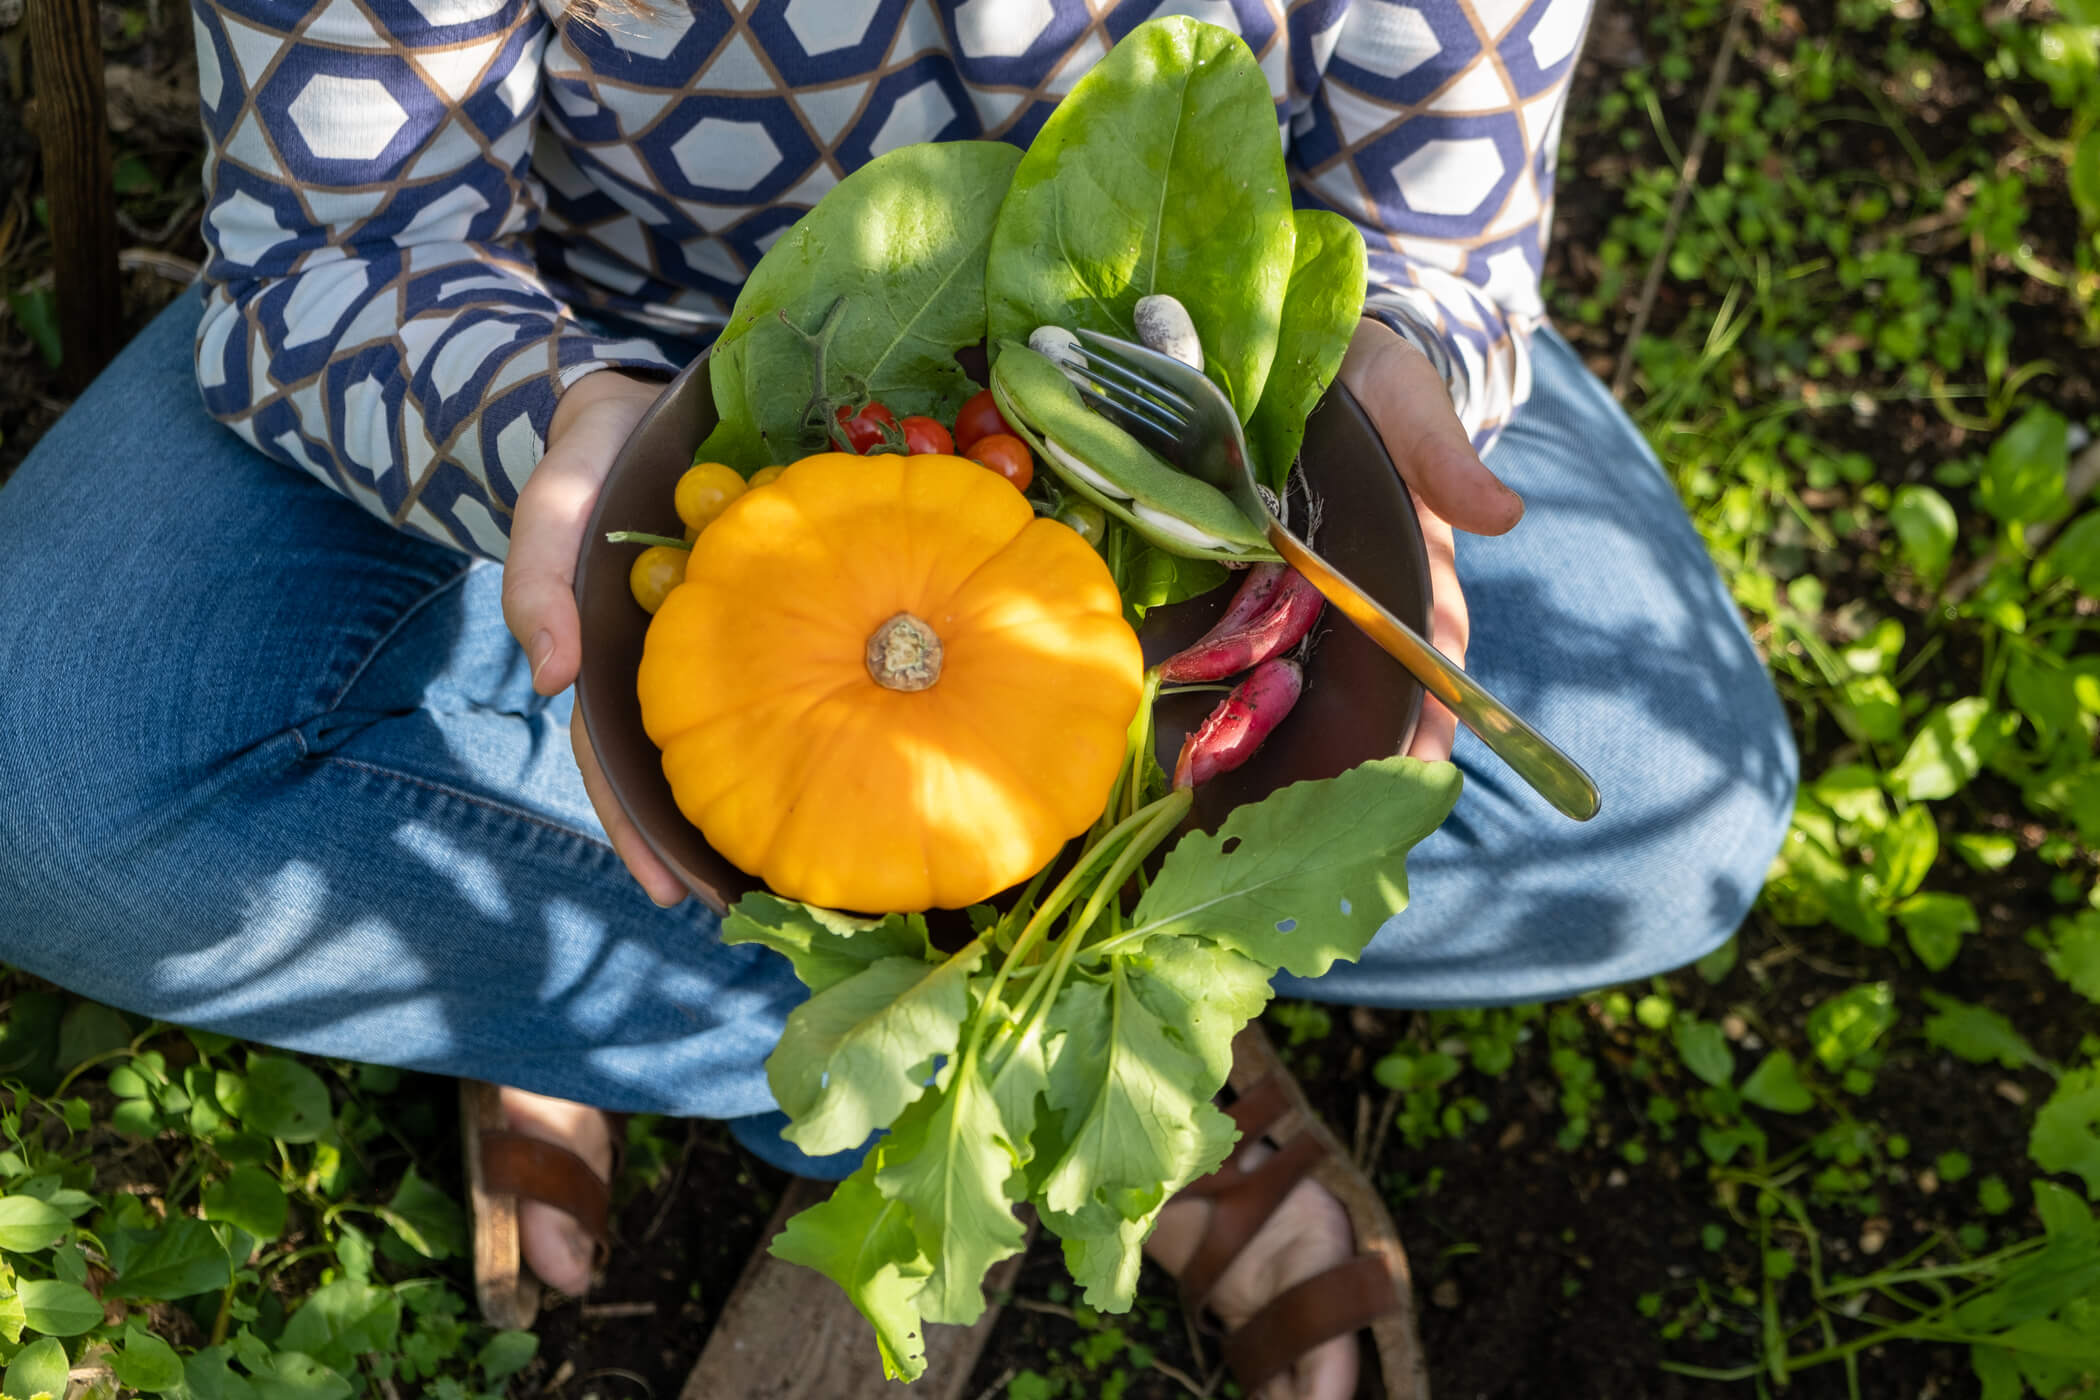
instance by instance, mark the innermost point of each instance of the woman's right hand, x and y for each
(594, 417)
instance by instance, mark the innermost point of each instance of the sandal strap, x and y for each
(1334, 1304)
(533, 1169)
(1240, 1204)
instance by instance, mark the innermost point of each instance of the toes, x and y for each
(556, 1248)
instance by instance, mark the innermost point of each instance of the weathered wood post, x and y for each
(72, 126)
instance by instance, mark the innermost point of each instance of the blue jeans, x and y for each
(272, 768)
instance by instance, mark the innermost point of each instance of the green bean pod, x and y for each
(1106, 465)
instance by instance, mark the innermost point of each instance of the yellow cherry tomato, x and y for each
(762, 476)
(705, 491)
(656, 571)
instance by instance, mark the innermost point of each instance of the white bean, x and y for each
(1163, 324)
(1066, 462)
(1178, 528)
(1056, 343)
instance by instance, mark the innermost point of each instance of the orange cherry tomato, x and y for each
(764, 476)
(705, 491)
(1006, 455)
(655, 572)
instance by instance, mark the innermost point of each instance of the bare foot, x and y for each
(556, 1248)
(1307, 1235)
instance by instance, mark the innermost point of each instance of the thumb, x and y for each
(1409, 405)
(539, 576)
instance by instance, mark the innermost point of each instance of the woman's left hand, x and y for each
(1410, 406)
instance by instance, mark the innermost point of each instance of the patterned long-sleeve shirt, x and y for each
(411, 201)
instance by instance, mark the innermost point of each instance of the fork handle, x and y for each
(1555, 776)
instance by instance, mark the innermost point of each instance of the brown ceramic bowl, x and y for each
(1358, 702)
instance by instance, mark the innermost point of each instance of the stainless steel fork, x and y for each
(1187, 419)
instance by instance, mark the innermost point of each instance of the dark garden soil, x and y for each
(1530, 1259)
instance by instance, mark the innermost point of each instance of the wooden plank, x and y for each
(65, 46)
(788, 1333)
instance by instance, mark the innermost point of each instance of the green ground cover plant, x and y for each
(1854, 1152)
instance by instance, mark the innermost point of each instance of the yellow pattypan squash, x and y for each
(886, 685)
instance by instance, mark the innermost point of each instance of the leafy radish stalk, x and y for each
(1241, 722)
(1280, 621)
(1121, 850)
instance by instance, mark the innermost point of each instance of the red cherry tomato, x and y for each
(980, 418)
(922, 435)
(865, 427)
(1006, 455)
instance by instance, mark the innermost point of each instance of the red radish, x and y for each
(1279, 622)
(1257, 586)
(1241, 722)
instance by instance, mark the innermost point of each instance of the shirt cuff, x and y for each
(1408, 324)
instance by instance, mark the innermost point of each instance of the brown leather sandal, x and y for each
(1372, 1292)
(504, 1168)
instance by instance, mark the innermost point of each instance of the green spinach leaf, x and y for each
(900, 243)
(1320, 312)
(1160, 172)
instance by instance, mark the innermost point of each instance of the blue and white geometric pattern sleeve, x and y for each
(1435, 126)
(374, 316)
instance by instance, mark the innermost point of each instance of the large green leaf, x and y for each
(1104, 1263)
(826, 947)
(1307, 874)
(1161, 172)
(1321, 309)
(864, 1244)
(948, 1158)
(852, 1056)
(1203, 994)
(900, 243)
(1138, 1121)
